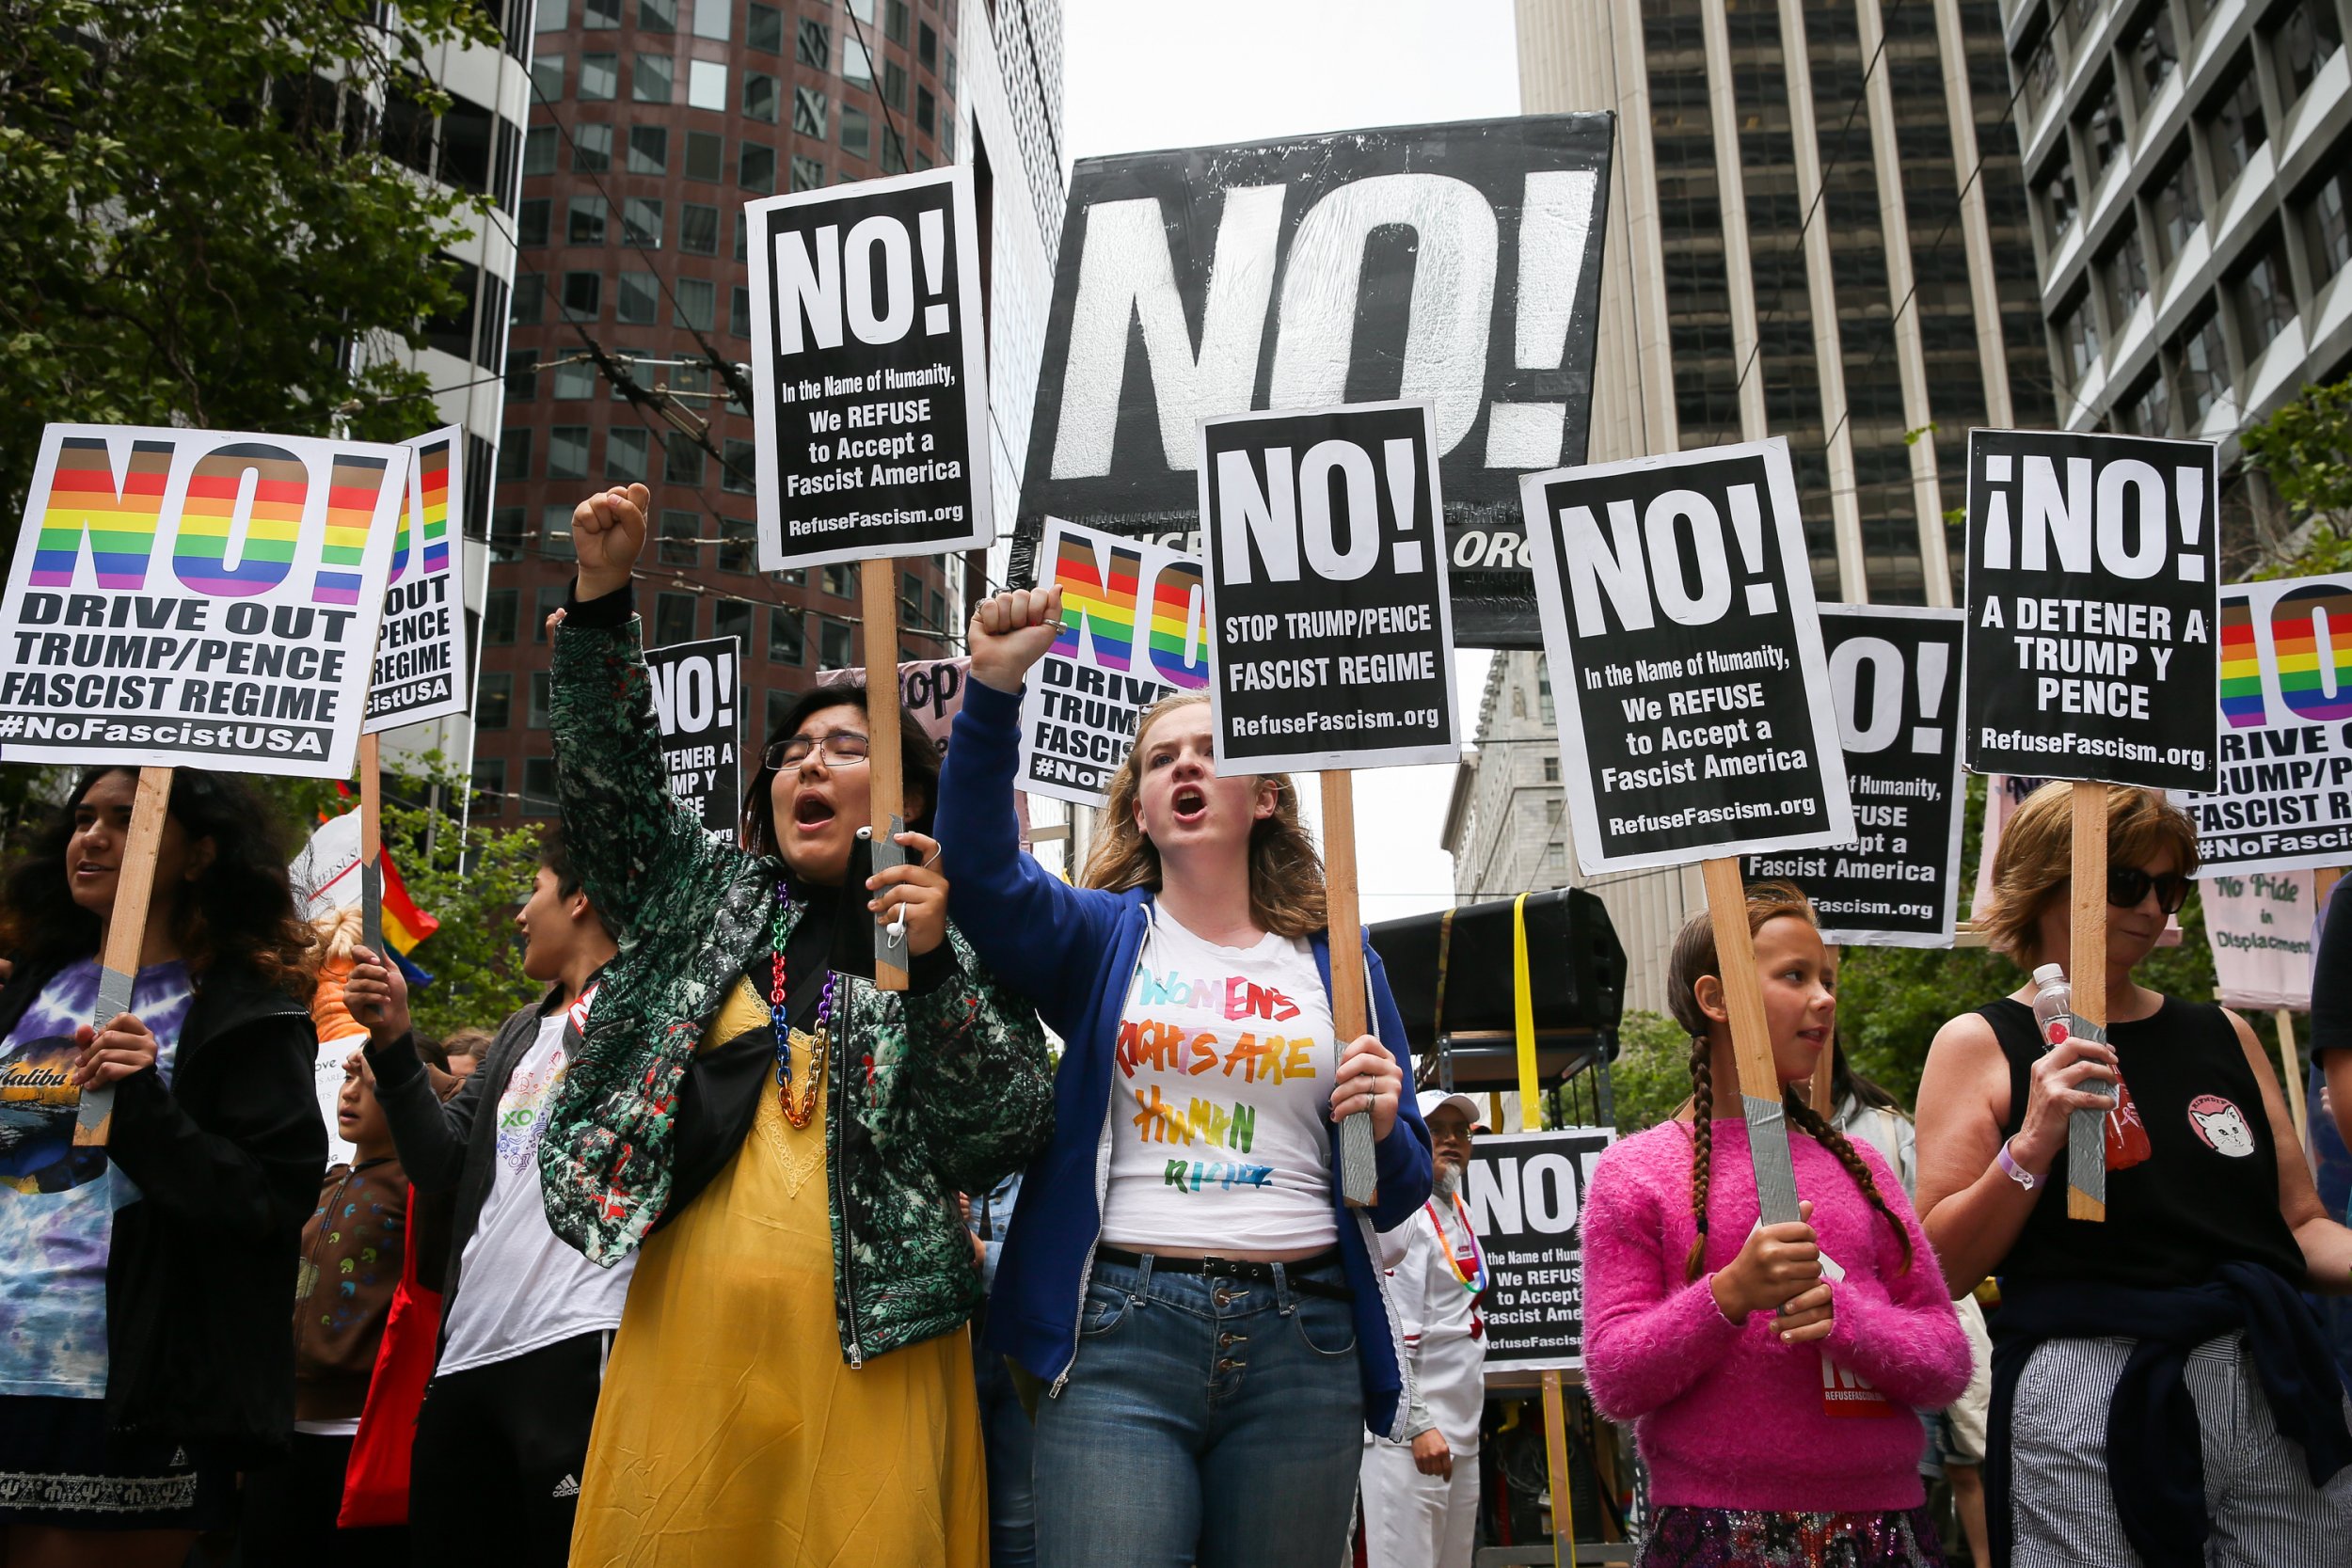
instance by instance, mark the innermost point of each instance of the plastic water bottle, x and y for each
(2052, 1004)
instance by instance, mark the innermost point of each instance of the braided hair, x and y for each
(1693, 957)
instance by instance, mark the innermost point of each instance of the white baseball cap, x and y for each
(1431, 1100)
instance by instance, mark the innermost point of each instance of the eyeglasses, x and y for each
(842, 749)
(2127, 885)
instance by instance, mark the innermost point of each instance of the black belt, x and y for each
(1238, 1268)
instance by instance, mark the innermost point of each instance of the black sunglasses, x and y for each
(2128, 884)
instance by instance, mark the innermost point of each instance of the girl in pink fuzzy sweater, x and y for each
(1771, 1375)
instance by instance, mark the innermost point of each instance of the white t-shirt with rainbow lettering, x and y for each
(1220, 1127)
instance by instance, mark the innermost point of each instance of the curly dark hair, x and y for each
(238, 912)
(918, 763)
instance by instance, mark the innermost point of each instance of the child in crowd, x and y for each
(352, 1252)
(1771, 1372)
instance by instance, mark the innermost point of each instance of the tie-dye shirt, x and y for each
(56, 1202)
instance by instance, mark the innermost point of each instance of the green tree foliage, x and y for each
(473, 884)
(2306, 450)
(1651, 1077)
(202, 221)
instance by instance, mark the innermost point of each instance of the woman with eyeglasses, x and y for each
(782, 1144)
(2161, 1392)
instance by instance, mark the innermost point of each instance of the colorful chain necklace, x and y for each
(798, 1108)
(1471, 1281)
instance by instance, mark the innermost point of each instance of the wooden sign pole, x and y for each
(126, 934)
(1761, 1089)
(2291, 1071)
(1556, 1459)
(878, 588)
(372, 846)
(1349, 1013)
(2086, 974)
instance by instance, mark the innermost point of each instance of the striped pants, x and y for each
(2257, 1495)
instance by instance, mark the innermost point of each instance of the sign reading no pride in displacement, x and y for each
(1679, 622)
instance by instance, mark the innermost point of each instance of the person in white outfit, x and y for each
(1421, 1496)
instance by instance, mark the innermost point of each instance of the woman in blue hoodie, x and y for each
(1183, 1274)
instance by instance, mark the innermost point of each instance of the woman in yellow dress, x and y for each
(781, 1143)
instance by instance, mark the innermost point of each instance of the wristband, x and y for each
(2015, 1172)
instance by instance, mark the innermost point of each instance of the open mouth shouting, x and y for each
(1189, 805)
(812, 813)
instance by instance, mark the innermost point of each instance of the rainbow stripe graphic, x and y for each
(119, 520)
(1103, 601)
(351, 491)
(1171, 610)
(2311, 637)
(281, 489)
(433, 483)
(2241, 666)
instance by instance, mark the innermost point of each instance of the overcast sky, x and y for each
(1138, 74)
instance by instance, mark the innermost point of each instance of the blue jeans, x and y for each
(1011, 1444)
(1205, 1421)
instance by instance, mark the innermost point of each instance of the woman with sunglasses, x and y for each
(2126, 1349)
(783, 1143)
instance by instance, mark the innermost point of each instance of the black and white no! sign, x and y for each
(1325, 578)
(1680, 620)
(868, 380)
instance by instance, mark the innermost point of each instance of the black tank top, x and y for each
(2208, 1191)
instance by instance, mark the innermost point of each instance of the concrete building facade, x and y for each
(653, 121)
(2190, 165)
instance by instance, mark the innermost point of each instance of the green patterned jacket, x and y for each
(958, 1092)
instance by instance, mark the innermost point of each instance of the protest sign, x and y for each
(2284, 801)
(1895, 682)
(1458, 263)
(197, 598)
(420, 670)
(1679, 622)
(1326, 606)
(1678, 617)
(931, 688)
(870, 392)
(1134, 629)
(1525, 1193)
(698, 707)
(2091, 647)
(1326, 589)
(2259, 925)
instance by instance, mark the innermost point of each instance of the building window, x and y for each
(530, 223)
(514, 453)
(648, 149)
(948, 80)
(733, 618)
(600, 13)
(2127, 274)
(2204, 376)
(857, 65)
(2177, 208)
(551, 599)
(567, 452)
(640, 223)
(2265, 296)
(673, 619)
(893, 152)
(546, 77)
(529, 299)
(808, 111)
(592, 149)
(657, 16)
(555, 533)
(713, 19)
(681, 535)
(522, 375)
(812, 45)
(698, 230)
(894, 85)
(681, 459)
(2325, 226)
(586, 224)
(696, 300)
(739, 311)
(489, 785)
(926, 46)
(499, 609)
(765, 30)
(788, 636)
(758, 170)
(741, 468)
(807, 174)
(2305, 42)
(706, 157)
(707, 86)
(539, 787)
(1552, 770)
(625, 456)
(600, 77)
(2103, 131)
(926, 111)
(833, 645)
(2152, 51)
(894, 21)
(638, 301)
(738, 544)
(650, 82)
(2235, 128)
(2079, 333)
(539, 150)
(2151, 407)
(506, 533)
(840, 580)
(856, 135)
(542, 693)
(759, 97)
(2058, 197)
(575, 381)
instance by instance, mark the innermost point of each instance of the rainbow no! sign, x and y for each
(1103, 600)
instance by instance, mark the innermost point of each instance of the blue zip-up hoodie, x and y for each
(1074, 952)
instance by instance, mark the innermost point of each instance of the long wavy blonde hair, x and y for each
(1286, 891)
